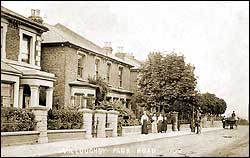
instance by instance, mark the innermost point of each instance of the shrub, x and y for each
(14, 119)
(126, 116)
(64, 119)
(243, 122)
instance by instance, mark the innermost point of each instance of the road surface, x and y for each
(219, 143)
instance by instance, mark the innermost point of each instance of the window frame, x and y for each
(97, 66)
(3, 39)
(120, 75)
(109, 64)
(29, 49)
(84, 55)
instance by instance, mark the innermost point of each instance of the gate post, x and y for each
(113, 120)
(100, 119)
(41, 113)
(87, 121)
(175, 120)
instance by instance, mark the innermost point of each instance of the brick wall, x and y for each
(12, 43)
(133, 80)
(71, 65)
(53, 61)
(63, 62)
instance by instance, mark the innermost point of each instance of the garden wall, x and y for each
(127, 130)
(19, 138)
(67, 134)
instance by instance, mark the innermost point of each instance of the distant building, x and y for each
(74, 60)
(23, 84)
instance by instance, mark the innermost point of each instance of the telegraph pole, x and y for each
(192, 120)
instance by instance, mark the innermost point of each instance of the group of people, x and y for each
(159, 124)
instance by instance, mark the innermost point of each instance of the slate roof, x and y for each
(60, 34)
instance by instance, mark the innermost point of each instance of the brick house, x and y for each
(23, 84)
(134, 71)
(74, 60)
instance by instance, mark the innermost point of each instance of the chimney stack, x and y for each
(35, 16)
(120, 49)
(107, 48)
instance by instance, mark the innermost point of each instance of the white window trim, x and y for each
(33, 45)
(119, 66)
(85, 60)
(109, 63)
(3, 49)
(99, 59)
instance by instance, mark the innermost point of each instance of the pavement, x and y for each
(74, 146)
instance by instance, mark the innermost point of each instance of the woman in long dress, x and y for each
(154, 124)
(144, 122)
(165, 124)
(159, 123)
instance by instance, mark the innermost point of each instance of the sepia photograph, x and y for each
(124, 78)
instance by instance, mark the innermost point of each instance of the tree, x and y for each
(167, 83)
(101, 90)
(211, 104)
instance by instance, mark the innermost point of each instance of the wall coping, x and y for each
(66, 131)
(43, 108)
(128, 127)
(108, 129)
(101, 111)
(18, 133)
(86, 110)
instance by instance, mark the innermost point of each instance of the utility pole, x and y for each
(192, 120)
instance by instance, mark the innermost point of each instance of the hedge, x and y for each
(64, 119)
(14, 119)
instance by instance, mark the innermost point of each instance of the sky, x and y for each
(213, 36)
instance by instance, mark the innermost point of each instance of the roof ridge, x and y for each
(78, 35)
(56, 31)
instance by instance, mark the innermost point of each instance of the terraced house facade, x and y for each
(74, 60)
(23, 84)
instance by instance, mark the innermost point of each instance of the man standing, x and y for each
(224, 121)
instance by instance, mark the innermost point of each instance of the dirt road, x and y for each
(221, 143)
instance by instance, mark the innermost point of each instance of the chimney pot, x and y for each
(33, 12)
(107, 47)
(120, 49)
(37, 12)
(35, 16)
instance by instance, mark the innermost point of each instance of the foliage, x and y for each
(126, 115)
(64, 119)
(167, 82)
(243, 122)
(101, 91)
(14, 119)
(211, 104)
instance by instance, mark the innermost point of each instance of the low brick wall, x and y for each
(108, 132)
(67, 134)
(127, 130)
(215, 124)
(19, 138)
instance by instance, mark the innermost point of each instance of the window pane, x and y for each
(26, 48)
(7, 97)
